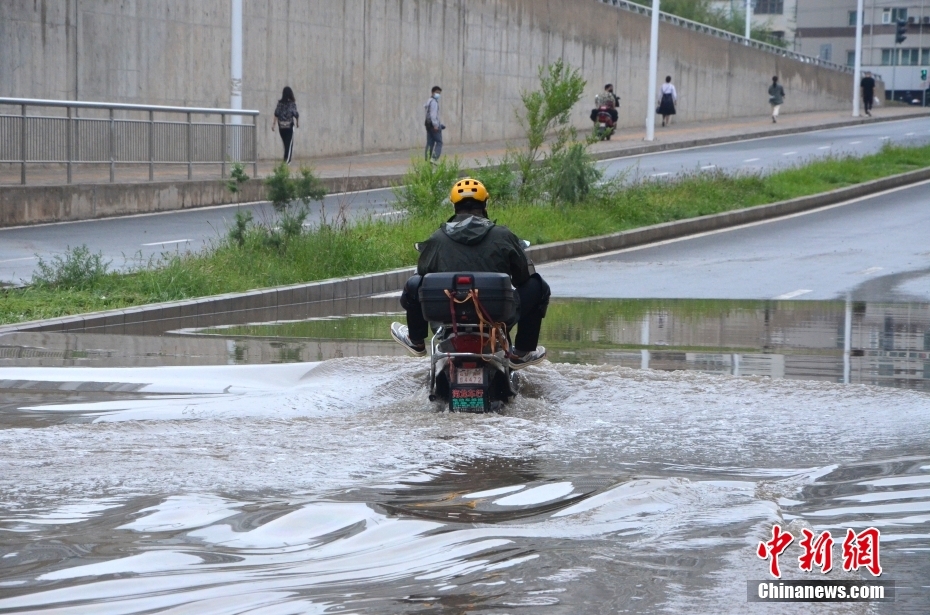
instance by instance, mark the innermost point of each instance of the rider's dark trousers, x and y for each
(534, 300)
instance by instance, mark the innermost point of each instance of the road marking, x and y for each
(855, 142)
(883, 138)
(870, 270)
(710, 166)
(751, 159)
(824, 147)
(399, 212)
(13, 260)
(165, 243)
(664, 242)
(659, 174)
(789, 153)
(907, 134)
(794, 293)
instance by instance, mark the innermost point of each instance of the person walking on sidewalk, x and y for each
(868, 92)
(434, 126)
(287, 119)
(667, 102)
(776, 97)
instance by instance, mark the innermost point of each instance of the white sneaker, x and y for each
(533, 357)
(402, 336)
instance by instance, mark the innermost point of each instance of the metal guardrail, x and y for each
(148, 134)
(736, 38)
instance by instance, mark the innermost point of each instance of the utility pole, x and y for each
(235, 76)
(653, 69)
(748, 20)
(858, 62)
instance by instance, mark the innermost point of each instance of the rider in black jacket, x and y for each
(469, 241)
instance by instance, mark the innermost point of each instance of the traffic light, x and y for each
(923, 74)
(901, 32)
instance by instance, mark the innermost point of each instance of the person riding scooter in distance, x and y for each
(469, 241)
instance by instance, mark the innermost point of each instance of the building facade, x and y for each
(826, 29)
(777, 16)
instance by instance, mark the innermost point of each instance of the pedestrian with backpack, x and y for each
(287, 119)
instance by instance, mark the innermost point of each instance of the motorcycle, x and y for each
(604, 124)
(470, 313)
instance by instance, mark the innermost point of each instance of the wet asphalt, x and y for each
(131, 241)
(872, 249)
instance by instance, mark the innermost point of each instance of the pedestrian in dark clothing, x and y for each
(287, 119)
(868, 92)
(469, 241)
(667, 104)
(776, 97)
(434, 126)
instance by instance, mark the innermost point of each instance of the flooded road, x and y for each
(265, 470)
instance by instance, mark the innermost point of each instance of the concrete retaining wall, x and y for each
(36, 204)
(345, 296)
(362, 69)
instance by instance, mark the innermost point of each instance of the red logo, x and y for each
(775, 547)
(859, 550)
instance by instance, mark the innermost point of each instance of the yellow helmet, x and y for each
(468, 188)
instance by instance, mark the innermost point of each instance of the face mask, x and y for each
(436, 95)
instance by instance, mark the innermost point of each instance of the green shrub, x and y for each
(571, 174)
(78, 270)
(237, 177)
(500, 179)
(424, 190)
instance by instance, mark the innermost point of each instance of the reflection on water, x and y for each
(861, 343)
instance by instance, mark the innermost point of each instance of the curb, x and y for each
(318, 298)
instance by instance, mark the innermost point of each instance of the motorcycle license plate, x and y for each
(603, 125)
(469, 376)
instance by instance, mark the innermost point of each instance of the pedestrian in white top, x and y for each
(669, 99)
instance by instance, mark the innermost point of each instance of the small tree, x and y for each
(545, 111)
(284, 190)
(237, 177)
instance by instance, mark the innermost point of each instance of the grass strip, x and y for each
(377, 245)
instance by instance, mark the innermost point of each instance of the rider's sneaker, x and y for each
(401, 336)
(532, 357)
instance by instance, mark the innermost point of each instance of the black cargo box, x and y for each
(494, 291)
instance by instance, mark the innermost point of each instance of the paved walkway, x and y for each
(627, 141)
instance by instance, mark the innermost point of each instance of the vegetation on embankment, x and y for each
(256, 256)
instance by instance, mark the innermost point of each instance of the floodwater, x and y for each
(266, 470)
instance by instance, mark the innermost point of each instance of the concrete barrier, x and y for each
(37, 204)
(344, 295)
(362, 70)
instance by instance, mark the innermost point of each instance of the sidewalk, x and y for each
(626, 142)
(364, 171)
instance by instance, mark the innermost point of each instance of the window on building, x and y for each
(852, 18)
(850, 58)
(888, 57)
(910, 57)
(826, 52)
(769, 7)
(893, 15)
(925, 57)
